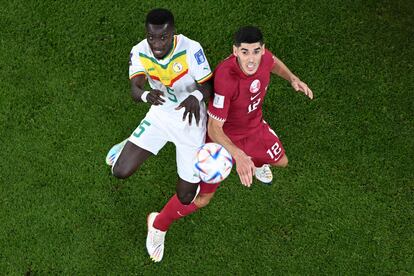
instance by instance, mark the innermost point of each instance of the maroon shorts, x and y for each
(264, 147)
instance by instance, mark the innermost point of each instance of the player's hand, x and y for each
(299, 85)
(155, 97)
(192, 108)
(245, 168)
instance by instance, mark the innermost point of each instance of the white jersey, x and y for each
(176, 75)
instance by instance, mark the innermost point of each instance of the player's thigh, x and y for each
(129, 160)
(146, 140)
(187, 141)
(187, 145)
(151, 134)
(265, 147)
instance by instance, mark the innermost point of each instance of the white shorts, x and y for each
(159, 127)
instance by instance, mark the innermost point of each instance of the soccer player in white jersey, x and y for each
(178, 74)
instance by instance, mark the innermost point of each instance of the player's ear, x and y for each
(234, 50)
(263, 49)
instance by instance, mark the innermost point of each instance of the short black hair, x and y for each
(159, 17)
(248, 34)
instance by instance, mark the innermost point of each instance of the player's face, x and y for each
(249, 56)
(160, 39)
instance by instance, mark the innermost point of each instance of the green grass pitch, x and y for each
(344, 206)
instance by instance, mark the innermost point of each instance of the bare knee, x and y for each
(186, 197)
(186, 191)
(282, 163)
(121, 172)
(129, 160)
(202, 200)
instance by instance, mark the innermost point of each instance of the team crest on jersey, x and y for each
(255, 86)
(199, 56)
(177, 67)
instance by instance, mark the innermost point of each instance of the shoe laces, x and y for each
(157, 236)
(264, 171)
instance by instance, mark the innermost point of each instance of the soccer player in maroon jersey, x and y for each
(235, 115)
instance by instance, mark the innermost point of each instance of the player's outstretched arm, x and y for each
(244, 164)
(192, 102)
(139, 95)
(280, 69)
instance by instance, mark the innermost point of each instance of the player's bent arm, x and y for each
(216, 133)
(137, 87)
(245, 166)
(280, 69)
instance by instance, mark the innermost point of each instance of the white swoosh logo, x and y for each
(254, 97)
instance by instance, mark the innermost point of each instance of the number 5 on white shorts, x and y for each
(141, 127)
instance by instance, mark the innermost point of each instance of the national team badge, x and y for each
(255, 86)
(177, 67)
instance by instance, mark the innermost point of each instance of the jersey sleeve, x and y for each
(135, 66)
(224, 89)
(198, 64)
(270, 59)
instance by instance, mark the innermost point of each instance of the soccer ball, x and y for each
(213, 163)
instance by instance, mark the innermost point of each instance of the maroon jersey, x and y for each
(238, 98)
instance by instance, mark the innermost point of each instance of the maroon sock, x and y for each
(172, 211)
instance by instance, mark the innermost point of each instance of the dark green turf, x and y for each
(344, 206)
